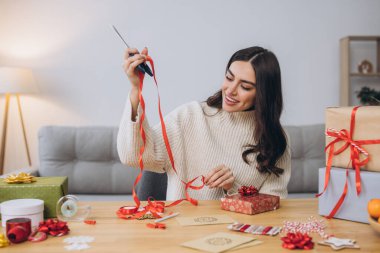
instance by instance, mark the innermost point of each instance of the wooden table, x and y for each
(116, 235)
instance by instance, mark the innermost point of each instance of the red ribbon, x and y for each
(156, 225)
(153, 206)
(90, 222)
(355, 148)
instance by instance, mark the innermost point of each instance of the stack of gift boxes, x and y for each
(352, 173)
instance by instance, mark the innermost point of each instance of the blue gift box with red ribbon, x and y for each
(354, 206)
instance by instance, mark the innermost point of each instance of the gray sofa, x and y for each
(88, 156)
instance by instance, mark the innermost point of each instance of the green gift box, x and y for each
(48, 189)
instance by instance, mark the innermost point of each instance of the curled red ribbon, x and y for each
(355, 150)
(155, 207)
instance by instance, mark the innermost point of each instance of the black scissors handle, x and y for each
(143, 67)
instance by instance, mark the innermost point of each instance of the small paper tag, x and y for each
(204, 220)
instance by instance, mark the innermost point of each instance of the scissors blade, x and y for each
(121, 37)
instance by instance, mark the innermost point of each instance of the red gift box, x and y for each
(254, 204)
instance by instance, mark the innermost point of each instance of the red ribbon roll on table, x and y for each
(18, 229)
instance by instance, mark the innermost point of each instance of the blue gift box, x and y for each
(354, 207)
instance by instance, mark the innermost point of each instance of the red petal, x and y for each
(43, 229)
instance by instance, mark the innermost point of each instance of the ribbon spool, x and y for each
(18, 229)
(70, 209)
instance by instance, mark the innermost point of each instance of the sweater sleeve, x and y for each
(129, 140)
(278, 185)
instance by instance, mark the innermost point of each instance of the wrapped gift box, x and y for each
(255, 204)
(354, 208)
(48, 189)
(367, 127)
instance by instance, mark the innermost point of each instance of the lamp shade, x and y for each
(17, 80)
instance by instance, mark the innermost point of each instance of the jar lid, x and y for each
(22, 206)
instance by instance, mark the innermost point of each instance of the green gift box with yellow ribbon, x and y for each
(48, 189)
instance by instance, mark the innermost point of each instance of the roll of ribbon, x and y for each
(128, 210)
(69, 208)
(18, 229)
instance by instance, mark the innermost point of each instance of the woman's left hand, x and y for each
(220, 176)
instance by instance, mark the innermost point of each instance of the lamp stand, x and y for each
(5, 123)
(4, 137)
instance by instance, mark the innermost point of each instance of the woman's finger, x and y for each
(217, 175)
(211, 173)
(229, 182)
(130, 51)
(133, 65)
(144, 51)
(221, 179)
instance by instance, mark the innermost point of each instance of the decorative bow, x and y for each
(247, 191)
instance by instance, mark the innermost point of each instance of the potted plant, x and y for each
(368, 96)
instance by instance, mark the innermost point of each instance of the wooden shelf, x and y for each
(363, 38)
(346, 76)
(365, 75)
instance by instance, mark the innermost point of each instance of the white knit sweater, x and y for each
(201, 138)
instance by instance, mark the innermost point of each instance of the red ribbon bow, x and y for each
(355, 150)
(53, 227)
(247, 191)
(154, 206)
(297, 241)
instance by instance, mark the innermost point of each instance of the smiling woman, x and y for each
(233, 139)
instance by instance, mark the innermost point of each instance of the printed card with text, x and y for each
(204, 220)
(218, 242)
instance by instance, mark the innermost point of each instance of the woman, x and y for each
(234, 138)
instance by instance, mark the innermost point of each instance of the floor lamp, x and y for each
(14, 81)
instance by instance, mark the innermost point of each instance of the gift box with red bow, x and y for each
(353, 137)
(249, 201)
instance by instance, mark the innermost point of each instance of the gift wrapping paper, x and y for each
(258, 203)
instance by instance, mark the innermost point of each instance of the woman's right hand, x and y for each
(131, 63)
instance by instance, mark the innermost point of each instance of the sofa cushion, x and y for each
(307, 147)
(88, 156)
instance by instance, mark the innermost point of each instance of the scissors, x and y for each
(143, 67)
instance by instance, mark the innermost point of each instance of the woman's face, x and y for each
(239, 87)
